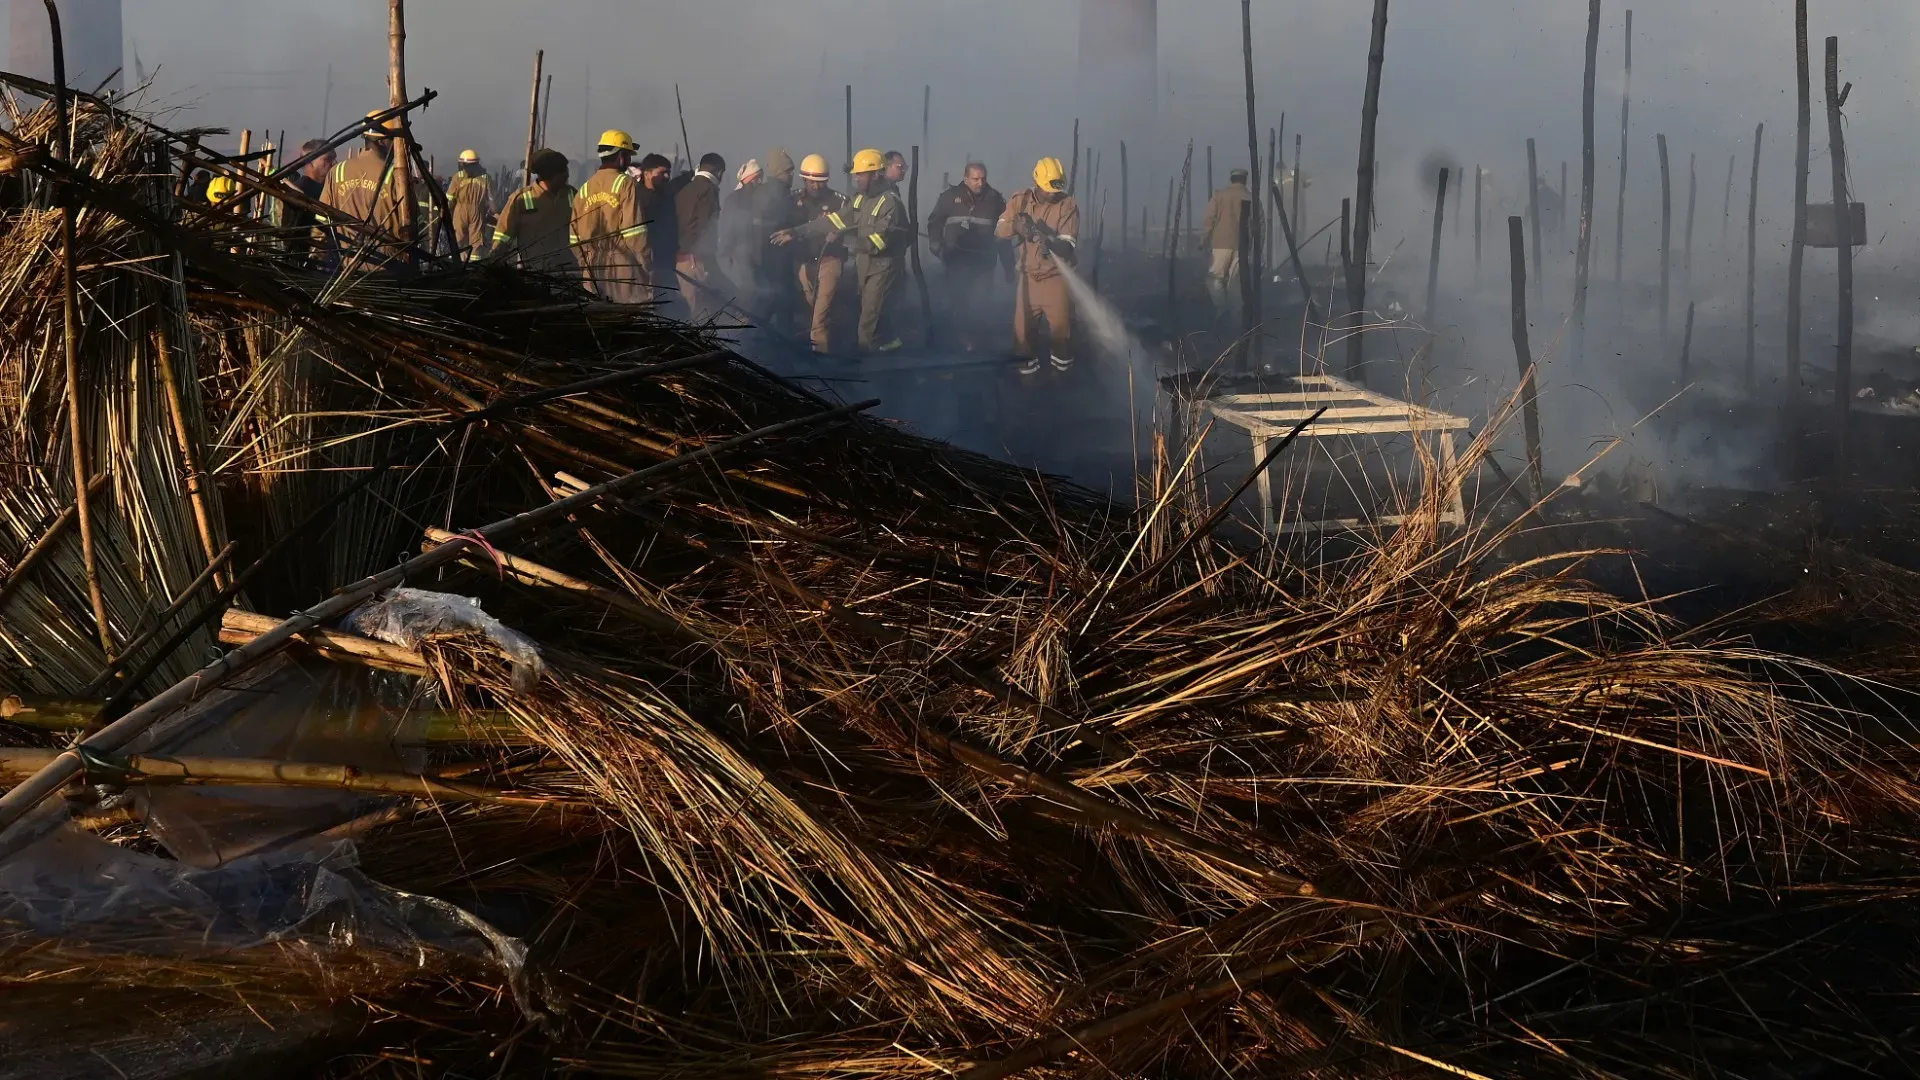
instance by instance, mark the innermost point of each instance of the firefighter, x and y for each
(362, 188)
(960, 234)
(1223, 237)
(220, 189)
(609, 227)
(874, 227)
(1043, 222)
(536, 226)
(818, 261)
(470, 196)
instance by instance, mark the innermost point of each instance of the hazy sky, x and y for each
(1471, 77)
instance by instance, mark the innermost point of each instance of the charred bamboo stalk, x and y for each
(1686, 349)
(1583, 255)
(913, 252)
(1666, 239)
(533, 118)
(1802, 146)
(1299, 181)
(1843, 235)
(1533, 214)
(1293, 249)
(1726, 201)
(1253, 275)
(1479, 175)
(197, 482)
(1126, 196)
(397, 98)
(1523, 352)
(1433, 258)
(1073, 167)
(1753, 249)
(1686, 244)
(1620, 214)
(1356, 266)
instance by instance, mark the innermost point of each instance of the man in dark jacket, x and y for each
(761, 206)
(697, 206)
(960, 234)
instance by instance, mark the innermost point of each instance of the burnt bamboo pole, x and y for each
(1726, 201)
(546, 108)
(1363, 194)
(397, 98)
(1686, 348)
(1293, 247)
(1299, 181)
(1753, 251)
(1479, 175)
(1797, 255)
(70, 308)
(1459, 196)
(1254, 274)
(1561, 232)
(913, 251)
(1126, 194)
(1620, 214)
(849, 131)
(1433, 258)
(1173, 234)
(1843, 234)
(1523, 353)
(1583, 254)
(1686, 244)
(1666, 239)
(533, 118)
(1073, 167)
(197, 481)
(1533, 212)
(1273, 169)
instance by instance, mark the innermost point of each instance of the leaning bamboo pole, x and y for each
(1523, 353)
(1363, 196)
(533, 118)
(1583, 255)
(70, 338)
(169, 769)
(1252, 275)
(1533, 211)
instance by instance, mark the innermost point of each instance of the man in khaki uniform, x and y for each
(470, 196)
(1223, 233)
(874, 228)
(536, 227)
(820, 262)
(1043, 222)
(609, 229)
(363, 188)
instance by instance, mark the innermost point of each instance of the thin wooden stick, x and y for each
(913, 251)
(141, 769)
(1479, 175)
(1686, 350)
(1686, 249)
(1433, 258)
(1126, 194)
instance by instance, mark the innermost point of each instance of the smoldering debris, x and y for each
(846, 752)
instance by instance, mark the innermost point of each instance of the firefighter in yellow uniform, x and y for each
(363, 188)
(874, 228)
(609, 229)
(470, 197)
(1043, 223)
(536, 227)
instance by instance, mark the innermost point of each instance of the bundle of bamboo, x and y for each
(852, 753)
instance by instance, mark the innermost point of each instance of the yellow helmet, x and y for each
(869, 161)
(613, 140)
(383, 129)
(222, 188)
(814, 167)
(1049, 174)
(469, 157)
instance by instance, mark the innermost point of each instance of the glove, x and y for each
(1023, 226)
(1062, 250)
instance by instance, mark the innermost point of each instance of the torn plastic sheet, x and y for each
(300, 918)
(408, 617)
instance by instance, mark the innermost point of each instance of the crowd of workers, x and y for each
(755, 245)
